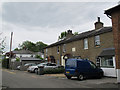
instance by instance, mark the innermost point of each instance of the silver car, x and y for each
(45, 65)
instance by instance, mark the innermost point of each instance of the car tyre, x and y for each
(81, 77)
(36, 70)
(100, 76)
(68, 77)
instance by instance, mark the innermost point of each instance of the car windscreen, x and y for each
(33, 64)
(92, 64)
(42, 64)
(71, 63)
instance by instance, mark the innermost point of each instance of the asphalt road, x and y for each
(23, 79)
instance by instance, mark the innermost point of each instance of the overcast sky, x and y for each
(44, 21)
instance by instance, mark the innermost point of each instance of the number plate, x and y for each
(67, 72)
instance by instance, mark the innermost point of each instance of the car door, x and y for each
(93, 70)
(50, 65)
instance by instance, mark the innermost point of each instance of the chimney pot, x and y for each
(98, 19)
(98, 24)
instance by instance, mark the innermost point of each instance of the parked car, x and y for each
(45, 65)
(18, 67)
(82, 69)
(29, 64)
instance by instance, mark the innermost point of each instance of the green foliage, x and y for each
(5, 63)
(75, 33)
(2, 43)
(34, 47)
(17, 59)
(63, 35)
(16, 49)
(38, 56)
(54, 71)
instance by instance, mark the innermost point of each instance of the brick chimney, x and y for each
(98, 24)
(69, 34)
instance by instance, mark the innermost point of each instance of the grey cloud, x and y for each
(50, 14)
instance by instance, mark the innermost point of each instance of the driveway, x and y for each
(23, 79)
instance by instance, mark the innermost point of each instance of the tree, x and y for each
(2, 43)
(63, 35)
(75, 33)
(40, 46)
(28, 45)
(35, 47)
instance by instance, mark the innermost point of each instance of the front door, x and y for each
(62, 61)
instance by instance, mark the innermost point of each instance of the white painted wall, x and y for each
(62, 61)
(23, 55)
(110, 71)
(118, 75)
(13, 59)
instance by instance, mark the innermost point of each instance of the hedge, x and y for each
(54, 71)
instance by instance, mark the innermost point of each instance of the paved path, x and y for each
(23, 79)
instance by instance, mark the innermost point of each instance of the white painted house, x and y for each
(107, 62)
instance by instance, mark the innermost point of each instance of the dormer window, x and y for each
(97, 40)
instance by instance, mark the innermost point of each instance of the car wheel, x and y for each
(100, 75)
(80, 77)
(36, 70)
(68, 77)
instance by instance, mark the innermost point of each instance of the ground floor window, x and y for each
(107, 62)
(58, 62)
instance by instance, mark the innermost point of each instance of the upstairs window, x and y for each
(85, 43)
(64, 48)
(97, 40)
(58, 49)
(46, 51)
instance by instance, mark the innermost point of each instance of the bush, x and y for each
(17, 59)
(54, 71)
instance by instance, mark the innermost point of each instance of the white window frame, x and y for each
(97, 40)
(64, 47)
(73, 49)
(85, 43)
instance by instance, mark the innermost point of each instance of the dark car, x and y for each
(82, 69)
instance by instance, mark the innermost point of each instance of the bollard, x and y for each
(40, 70)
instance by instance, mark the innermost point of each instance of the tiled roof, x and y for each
(22, 52)
(82, 36)
(113, 9)
(107, 52)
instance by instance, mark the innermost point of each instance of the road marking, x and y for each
(8, 71)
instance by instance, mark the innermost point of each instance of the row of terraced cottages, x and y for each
(96, 45)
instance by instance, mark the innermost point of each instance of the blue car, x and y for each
(82, 69)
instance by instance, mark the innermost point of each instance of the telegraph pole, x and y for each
(10, 50)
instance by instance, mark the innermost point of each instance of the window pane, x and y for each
(107, 62)
(97, 40)
(64, 49)
(85, 44)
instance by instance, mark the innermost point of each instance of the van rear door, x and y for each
(70, 66)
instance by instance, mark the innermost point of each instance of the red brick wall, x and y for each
(116, 34)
